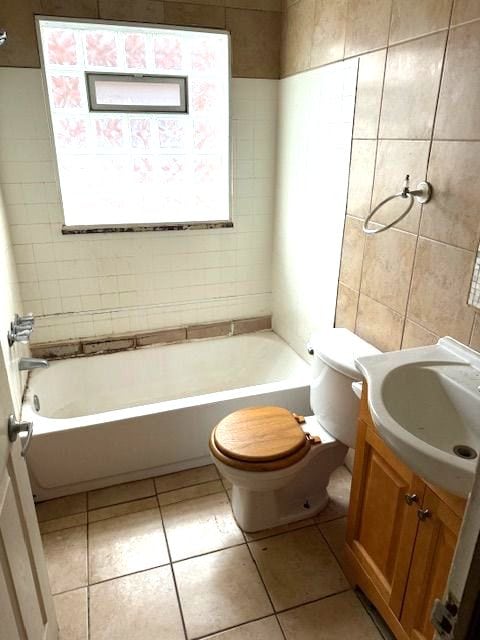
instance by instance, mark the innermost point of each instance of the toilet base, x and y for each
(303, 496)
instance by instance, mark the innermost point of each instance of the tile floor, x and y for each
(163, 559)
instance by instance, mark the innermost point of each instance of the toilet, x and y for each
(279, 463)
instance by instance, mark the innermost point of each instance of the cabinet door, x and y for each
(382, 524)
(432, 557)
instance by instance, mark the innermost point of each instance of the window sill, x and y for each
(134, 228)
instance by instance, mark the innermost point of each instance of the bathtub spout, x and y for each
(27, 364)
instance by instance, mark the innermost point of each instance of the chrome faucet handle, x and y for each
(20, 329)
(27, 320)
(406, 186)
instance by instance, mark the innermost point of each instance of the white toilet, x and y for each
(280, 465)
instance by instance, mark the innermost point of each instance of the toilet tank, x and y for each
(333, 370)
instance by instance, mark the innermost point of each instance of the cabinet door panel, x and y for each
(432, 557)
(383, 526)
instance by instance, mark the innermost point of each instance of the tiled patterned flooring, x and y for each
(164, 559)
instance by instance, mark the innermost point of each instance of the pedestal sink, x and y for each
(425, 403)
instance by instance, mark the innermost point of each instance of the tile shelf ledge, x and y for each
(135, 228)
(129, 341)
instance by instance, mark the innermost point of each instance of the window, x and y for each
(140, 119)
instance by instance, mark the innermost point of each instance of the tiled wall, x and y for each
(255, 26)
(10, 304)
(107, 284)
(417, 112)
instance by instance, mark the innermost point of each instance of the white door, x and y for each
(26, 604)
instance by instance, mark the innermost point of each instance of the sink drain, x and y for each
(464, 451)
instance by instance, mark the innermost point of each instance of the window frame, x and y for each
(186, 225)
(91, 78)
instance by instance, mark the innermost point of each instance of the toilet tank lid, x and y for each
(339, 348)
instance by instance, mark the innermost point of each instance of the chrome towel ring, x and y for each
(421, 194)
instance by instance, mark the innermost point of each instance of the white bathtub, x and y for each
(130, 415)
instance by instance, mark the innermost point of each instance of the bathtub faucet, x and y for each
(27, 364)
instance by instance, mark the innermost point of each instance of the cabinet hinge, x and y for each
(444, 617)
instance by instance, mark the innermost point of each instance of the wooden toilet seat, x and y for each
(259, 439)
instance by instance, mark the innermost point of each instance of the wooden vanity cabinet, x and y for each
(401, 535)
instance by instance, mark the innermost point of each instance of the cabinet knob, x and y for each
(410, 498)
(423, 514)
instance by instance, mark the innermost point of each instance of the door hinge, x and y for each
(444, 617)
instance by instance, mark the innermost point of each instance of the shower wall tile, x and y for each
(367, 25)
(362, 171)
(297, 37)
(379, 324)
(103, 285)
(352, 253)
(465, 10)
(347, 302)
(329, 31)
(145, 11)
(369, 94)
(416, 336)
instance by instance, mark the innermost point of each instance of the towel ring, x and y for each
(421, 194)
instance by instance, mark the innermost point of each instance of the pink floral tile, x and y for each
(204, 56)
(61, 47)
(168, 53)
(143, 169)
(203, 95)
(141, 133)
(135, 51)
(66, 91)
(101, 48)
(109, 132)
(71, 132)
(204, 136)
(171, 133)
(171, 169)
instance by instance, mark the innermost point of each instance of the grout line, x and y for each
(170, 564)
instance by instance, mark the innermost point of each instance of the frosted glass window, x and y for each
(117, 92)
(138, 166)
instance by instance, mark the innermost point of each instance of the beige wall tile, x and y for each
(387, 268)
(70, 8)
(256, 39)
(369, 94)
(212, 330)
(416, 336)
(250, 325)
(261, 5)
(108, 346)
(235, 595)
(216, 3)
(395, 159)
(17, 19)
(412, 18)
(162, 337)
(193, 15)
(452, 216)
(72, 615)
(378, 324)
(346, 312)
(142, 606)
(329, 31)
(440, 285)
(200, 525)
(412, 77)
(458, 115)
(63, 523)
(367, 25)
(297, 39)
(465, 10)
(352, 253)
(362, 170)
(126, 544)
(186, 478)
(341, 616)
(475, 339)
(120, 493)
(66, 556)
(59, 350)
(297, 567)
(138, 11)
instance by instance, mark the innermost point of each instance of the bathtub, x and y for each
(119, 417)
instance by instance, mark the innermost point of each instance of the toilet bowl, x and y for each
(280, 464)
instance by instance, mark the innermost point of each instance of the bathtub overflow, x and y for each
(464, 451)
(36, 402)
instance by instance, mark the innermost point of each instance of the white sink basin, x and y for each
(425, 403)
